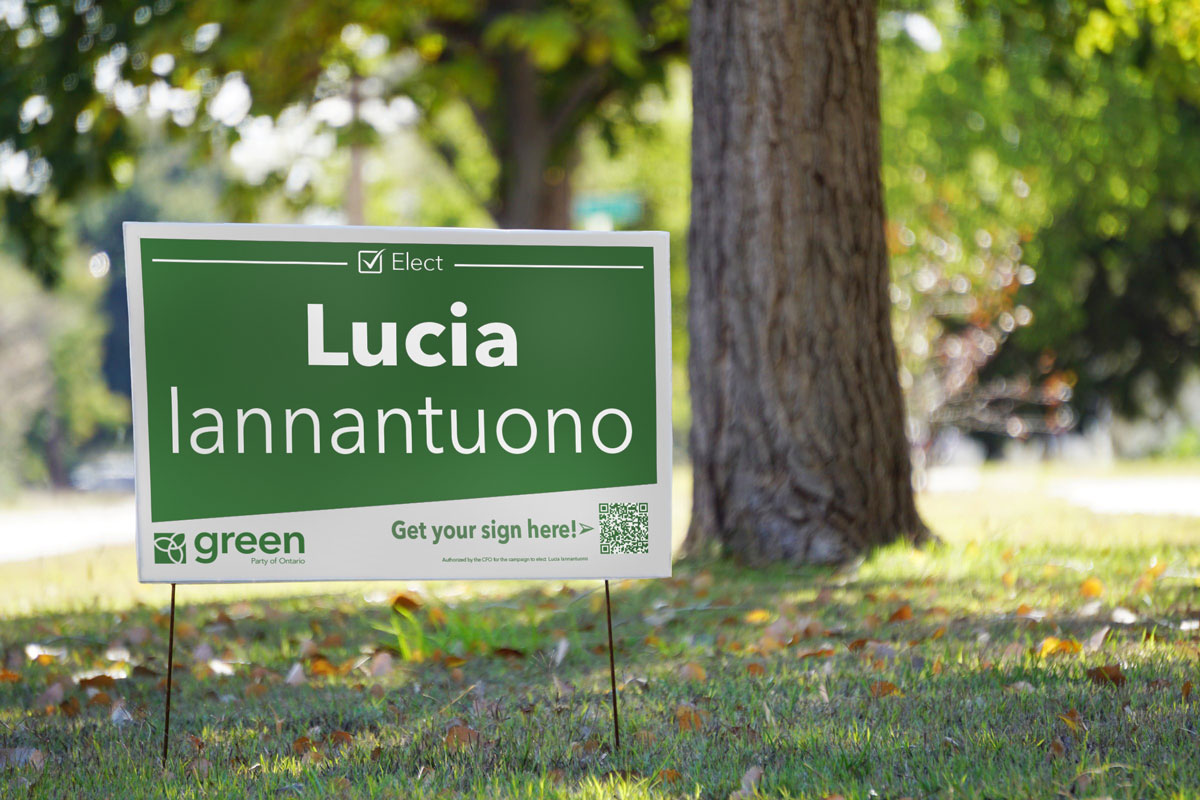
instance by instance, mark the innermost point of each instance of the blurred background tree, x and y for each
(1041, 172)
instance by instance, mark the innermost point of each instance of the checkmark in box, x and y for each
(370, 261)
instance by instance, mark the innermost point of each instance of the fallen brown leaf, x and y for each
(901, 614)
(509, 652)
(1091, 588)
(460, 736)
(97, 682)
(1187, 690)
(302, 745)
(1052, 646)
(885, 689)
(690, 718)
(824, 652)
(692, 671)
(406, 601)
(100, 699)
(339, 738)
(322, 667)
(1107, 675)
(1072, 719)
(668, 776)
(756, 669)
(8, 676)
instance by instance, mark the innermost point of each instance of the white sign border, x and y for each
(656, 565)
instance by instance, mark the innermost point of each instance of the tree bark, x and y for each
(798, 439)
(534, 187)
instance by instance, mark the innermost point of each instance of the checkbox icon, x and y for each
(370, 261)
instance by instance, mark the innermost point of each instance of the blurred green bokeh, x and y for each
(1040, 162)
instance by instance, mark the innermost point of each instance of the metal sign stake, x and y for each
(612, 668)
(170, 671)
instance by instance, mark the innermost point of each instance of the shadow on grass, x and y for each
(506, 694)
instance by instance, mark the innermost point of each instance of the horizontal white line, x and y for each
(247, 261)
(555, 266)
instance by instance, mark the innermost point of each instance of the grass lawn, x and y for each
(966, 670)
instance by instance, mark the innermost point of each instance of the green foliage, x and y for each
(55, 399)
(648, 154)
(83, 83)
(1054, 140)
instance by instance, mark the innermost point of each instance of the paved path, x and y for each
(46, 527)
(1164, 494)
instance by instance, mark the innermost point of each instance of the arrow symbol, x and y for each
(584, 528)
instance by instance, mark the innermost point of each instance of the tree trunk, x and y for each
(356, 200)
(534, 190)
(798, 435)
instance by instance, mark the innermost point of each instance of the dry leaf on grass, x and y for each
(120, 716)
(1052, 646)
(459, 736)
(97, 682)
(758, 616)
(322, 667)
(295, 676)
(339, 738)
(8, 676)
(53, 695)
(1092, 588)
(692, 671)
(380, 664)
(1107, 675)
(509, 652)
(901, 614)
(1072, 719)
(405, 601)
(302, 745)
(14, 757)
(668, 776)
(1096, 640)
(1187, 690)
(824, 652)
(749, 787)
(756, 669)
(690, 718)
(885, 689)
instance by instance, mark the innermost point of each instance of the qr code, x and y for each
(624, 528)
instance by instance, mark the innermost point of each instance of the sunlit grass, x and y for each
(723, 669)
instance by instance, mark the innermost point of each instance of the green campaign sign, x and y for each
(332, 403)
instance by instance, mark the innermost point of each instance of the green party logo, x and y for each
(170, 548)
